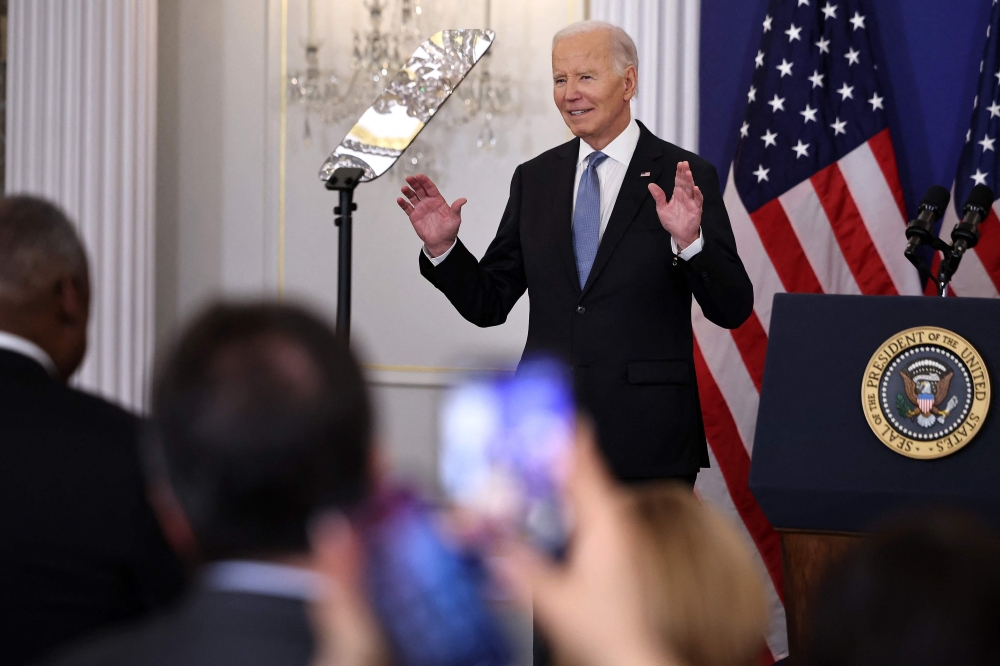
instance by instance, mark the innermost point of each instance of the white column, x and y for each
(666, 35)
(81, 131)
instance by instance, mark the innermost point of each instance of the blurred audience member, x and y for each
(80, 548)
(593, 606)
(701, 588)
(262, 425)
(924, 593)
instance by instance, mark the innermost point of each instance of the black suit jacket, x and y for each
(209, 628)
(80, 549)
(627, 333)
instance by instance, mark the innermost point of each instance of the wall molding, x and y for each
(81, 119)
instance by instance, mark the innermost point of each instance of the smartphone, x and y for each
(429, 595)
(505, 446)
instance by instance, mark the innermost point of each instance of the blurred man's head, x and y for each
(44, 282)
(925, 593)
(594, 76)
(262, 423)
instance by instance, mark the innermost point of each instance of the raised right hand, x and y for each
(435, 222)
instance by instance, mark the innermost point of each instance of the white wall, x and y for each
(219, 168)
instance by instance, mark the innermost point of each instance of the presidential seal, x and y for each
(926, 392)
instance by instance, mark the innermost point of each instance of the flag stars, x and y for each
(858, 21)
(979, 177)
(759, 60)
(823, 45)
(853, 57)
(801, 149)
(777, 104)
(767, 23)
(769, 138)
(968, 136)
(794, 33)
(803, 2)
(761, 173)
(987, 143)
(846, 92)
(785, 68)
(839, 126)
(744, 130)
(994, 110)
(876, 102)
(998, 76)
(817, 79)
(829, 11)
(809, 114)
(752, 95)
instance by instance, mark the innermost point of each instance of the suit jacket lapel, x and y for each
(633, 192)
(562, 206)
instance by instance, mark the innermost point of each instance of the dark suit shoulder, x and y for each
(678, 154)
(208, 628)
(544, 162)
(100, 411)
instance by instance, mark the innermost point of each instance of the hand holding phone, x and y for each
(505, 445)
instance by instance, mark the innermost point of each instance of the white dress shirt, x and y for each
(611, 173)
(25, 347)
(266, 578)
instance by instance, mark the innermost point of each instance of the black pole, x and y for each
(344, 221)
(344, 180)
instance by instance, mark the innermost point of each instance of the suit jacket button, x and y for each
(580, 309)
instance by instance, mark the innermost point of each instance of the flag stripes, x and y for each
(973, 277)
(826, 245)
(852, 235)
(783, 247)
(734, 463)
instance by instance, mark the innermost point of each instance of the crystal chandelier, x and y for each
(377, 53)
(374, 57)
(484, 95)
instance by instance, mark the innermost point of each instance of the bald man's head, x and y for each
(44, 282)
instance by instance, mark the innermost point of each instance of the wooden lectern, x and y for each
(819, 472)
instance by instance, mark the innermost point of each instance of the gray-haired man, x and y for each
(611, 234)
(80, 548)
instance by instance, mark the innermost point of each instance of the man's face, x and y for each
(592, 98)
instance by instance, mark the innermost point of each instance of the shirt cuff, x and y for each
(685, 254)
(437, 260)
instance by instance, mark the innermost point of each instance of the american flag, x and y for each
(979, 273)
(816, 206)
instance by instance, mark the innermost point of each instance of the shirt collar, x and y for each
(25, 347)
(620, 150)
(267, 578)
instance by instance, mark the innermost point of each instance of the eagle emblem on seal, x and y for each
(926, 383)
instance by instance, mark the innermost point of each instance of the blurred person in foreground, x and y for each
(653, 576)
(925, 592)
(593, 606)
(80, 548)
(702, 590)
(262, 427)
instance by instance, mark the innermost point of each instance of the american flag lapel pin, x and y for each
(644, 174)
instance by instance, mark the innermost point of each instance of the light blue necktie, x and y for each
(587, 217)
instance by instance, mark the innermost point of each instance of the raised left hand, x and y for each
(681, 216)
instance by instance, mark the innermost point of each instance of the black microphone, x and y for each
(931, 209)
(965, 235)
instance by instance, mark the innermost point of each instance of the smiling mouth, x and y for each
(577, 114)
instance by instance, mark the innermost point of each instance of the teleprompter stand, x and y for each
(344, 181)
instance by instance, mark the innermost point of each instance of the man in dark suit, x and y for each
(261, 429)
(80, 548)
(611, 236)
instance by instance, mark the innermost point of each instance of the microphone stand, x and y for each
(344, 180)
(943, 277)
